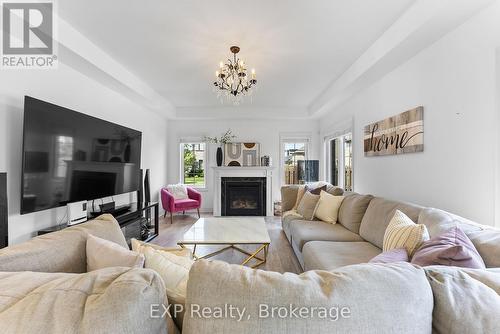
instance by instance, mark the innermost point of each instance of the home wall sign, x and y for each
(403, 133)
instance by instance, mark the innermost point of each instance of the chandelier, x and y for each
(233, 82)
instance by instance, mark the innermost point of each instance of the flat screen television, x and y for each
(69, 156)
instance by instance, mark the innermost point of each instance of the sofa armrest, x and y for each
(167, 200)
(288, 197)
(60, 251)
(194, 194)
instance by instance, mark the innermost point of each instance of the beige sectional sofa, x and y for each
(381, 298)
(44, 287)
(359, 233)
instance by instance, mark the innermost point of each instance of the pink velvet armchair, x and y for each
(170, 204)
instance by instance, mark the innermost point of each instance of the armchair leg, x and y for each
(198, 209)
(171, 218)
(165, 214)
(183, 212)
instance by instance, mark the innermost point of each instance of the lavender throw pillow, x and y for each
(451, 248)
(390, 256)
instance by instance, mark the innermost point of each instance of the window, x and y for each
(64, 153)
(193, 157)
(339, 161)
(294, 156)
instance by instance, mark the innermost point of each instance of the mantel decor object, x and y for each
(242, 154)
(222, 140)
(219, 156)
(265, 161)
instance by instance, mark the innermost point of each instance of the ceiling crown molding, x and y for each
(78, 52)
(425, 22)
(241, 112)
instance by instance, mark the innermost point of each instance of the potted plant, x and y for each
(224, 139)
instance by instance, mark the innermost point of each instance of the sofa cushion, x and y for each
(439, 221)
(352, 210)
(390, 256)
(326, 255)
(186, 203)
(464, 301)
(378, 215)
(286, 220)
(288, 197)
(371, 295)
(111, 300)
(61, 251)
(303, 231)
(308, 205)
(301, 190)
(487, 243)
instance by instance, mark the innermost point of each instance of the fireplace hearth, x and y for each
(243, 196)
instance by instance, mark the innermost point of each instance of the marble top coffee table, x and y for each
(229, 231)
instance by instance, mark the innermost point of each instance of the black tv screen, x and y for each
(69, 156)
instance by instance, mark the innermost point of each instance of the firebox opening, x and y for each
(243, 196)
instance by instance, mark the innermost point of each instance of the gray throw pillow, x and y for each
(307, 205)
(315, 191)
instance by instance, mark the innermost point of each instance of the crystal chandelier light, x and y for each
(233, 82)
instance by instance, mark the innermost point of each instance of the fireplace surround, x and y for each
(263, 172)
(243, 196)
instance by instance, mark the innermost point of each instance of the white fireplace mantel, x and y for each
(257, 171)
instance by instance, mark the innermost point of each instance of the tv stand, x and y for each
(137, 220)
(116, 211)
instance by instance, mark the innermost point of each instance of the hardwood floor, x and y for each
(280, 257)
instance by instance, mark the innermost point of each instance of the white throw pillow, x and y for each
(103, 253)
(173, 269)
(173, 265)
(402, 232)
(179, 191)
(328, 207)
(139, 247)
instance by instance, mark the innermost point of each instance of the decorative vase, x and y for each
(219, 156)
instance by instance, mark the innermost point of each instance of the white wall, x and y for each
(67, 87)
(265, 132)
(454, 80)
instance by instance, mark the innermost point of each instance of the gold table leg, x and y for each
(254, 255)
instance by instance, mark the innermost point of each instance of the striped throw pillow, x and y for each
(402, 232)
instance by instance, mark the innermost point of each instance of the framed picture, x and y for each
(242, 154)
(403, 133)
